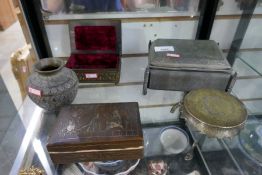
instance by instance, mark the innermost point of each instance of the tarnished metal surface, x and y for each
(187, 80)
(214, 113)
(193, 64)
(146, 77)
(201, 54)
(52, 85)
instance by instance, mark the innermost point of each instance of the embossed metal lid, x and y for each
(214, 107)
(196, 54)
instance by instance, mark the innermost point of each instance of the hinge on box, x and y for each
(231, 82)
(176, 106)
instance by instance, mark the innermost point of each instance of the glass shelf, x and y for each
(208, 155)
(155, 114)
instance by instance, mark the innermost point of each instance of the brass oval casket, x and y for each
(214, 113)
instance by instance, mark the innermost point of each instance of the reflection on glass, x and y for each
(53, 6)
(90, 6)
(93, 6)
(139, 5)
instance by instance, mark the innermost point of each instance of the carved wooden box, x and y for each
(96, 132)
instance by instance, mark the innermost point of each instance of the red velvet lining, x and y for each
(92, 61)
(95, 38)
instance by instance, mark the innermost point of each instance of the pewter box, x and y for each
(184, 65)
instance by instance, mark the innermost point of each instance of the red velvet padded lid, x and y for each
(95, 38)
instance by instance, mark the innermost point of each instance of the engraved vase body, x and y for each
(52, 85)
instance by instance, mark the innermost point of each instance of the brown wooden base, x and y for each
(64, 158)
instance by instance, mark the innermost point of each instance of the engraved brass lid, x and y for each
(216, 108)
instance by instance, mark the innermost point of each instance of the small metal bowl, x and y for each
(109, 165)
(174, 140)
(124, 167)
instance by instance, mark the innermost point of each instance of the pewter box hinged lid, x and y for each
(95, 36)
(187, 54)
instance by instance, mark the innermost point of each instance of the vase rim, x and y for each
(48, 65)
